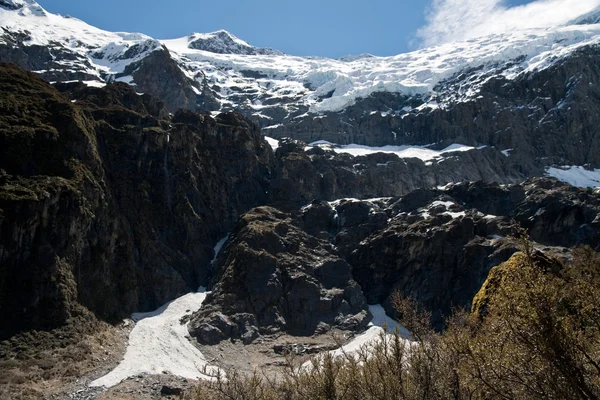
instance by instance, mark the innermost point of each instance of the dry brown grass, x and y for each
(38, 364)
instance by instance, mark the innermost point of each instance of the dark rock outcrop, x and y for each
(159, 75)
(436, 246)
(326, 175)
(272, 277)
(107, 202)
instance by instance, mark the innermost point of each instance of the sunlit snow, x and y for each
(421, 152)
(380, 326)
(576, 176)
(274, 143)
(159, 344)
(322, 84)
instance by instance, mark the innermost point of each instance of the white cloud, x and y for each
(455, 20)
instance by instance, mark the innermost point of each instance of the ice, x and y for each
(576, 176)
(159, 344)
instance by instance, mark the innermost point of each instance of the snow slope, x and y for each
(332, 85)
(99, 53)
(247, 76)
(158, 344)
(576, 176)
(380, 326)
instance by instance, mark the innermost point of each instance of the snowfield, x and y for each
(274, 143)
(420, 152)
(159, 344)
(324, 85)
(416, 73)
(380, 326)
(576, 176)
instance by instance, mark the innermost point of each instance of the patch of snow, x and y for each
(421, 152)
(441, 203)
(274, 143)
(507, 152)
(378, 199)
(321, 143)
(575, 175)
(96, 84)
(446, 186)
(425, 211)
(337, 202)
(272, 126)
(218, 248)
(455, 215)
(159, 343)
(127, 79)
(380, 325)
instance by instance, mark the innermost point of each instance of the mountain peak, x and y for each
(224, 42)
(17, 4)
(25, 7)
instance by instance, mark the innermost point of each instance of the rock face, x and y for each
(108, 202)
(436, 246)
(272, 276)
(505, 93)
(326, 175)
(159, 75)
(111, 203)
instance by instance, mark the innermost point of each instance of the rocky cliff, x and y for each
(436, 246)
(109, 202)
(112, 204)
(530, 93)
(274, 277)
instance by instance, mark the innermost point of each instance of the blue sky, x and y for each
(331, 28)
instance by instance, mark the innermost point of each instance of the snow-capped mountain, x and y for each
(255, 78)
(223, 42)
(529, 83)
